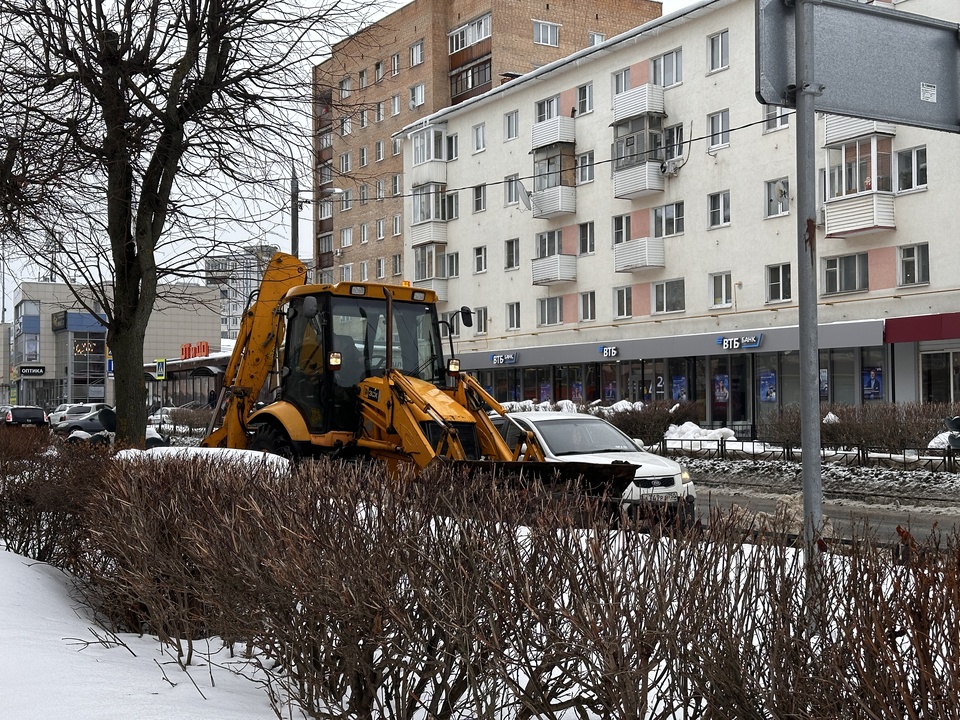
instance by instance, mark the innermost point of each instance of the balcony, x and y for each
(638, 180)
(554, 201)
(838, 129)
(432, 231)
(861, 214)
(644, 100)
(432, 171)
(555, 269)
(638, 254)
(555, 130)
(438, 285)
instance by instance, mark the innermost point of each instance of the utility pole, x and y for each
(294, 212)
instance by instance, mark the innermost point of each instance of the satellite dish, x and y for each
(524, 195)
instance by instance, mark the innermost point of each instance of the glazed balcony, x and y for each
(644, 100)
(839, 129)
(438, 285)
(860, 214)
(432, 231)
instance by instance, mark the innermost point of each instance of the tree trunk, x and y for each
(126, 344)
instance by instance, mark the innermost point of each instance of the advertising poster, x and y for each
(721, 388)
(576, 392)
(679, 388)
(872, 384)
(545, 392)
(768, 387)
(824, 384)
(610, 392)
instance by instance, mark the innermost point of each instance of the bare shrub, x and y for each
(191, 418)
(652, 422)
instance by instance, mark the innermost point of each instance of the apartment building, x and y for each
(427, 55)
(622, 223)
(236, 276)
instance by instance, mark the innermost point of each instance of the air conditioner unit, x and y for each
(671, 167)
(338, 252)
(821, 216)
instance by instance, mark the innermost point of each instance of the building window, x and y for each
(479, 198)
(452, 205)
(363, 118)
(395, 105)
(480, 321)
(668, 220)
(775, 117)
(363, 156)
(595, 38)
(588, 306)
(721, 285)
(345, 127)
(673, 142)
(326, 173)
(719, 209)
(545, 33)
(364, 194)
(426, 146)
(346, 200)
(511, 254)
(450, 324)
(621, 81)
(346, 237)
(378, 72)
(381, 269)
(668, 296)
(585, 168)
(453, 147)
(378, 150)
(586, 238)
(378, 111)
(914, 264)
(847, 273)
(585, 99)
(667, 69)
(395, 65)
(778, 283)
(450, 264)
(912, 168)
(364, 271)
(718, 127)
(397, 264)
(346, 273)
(397, 224)
(547, 109)
(511, 125)
(718, 51)
(416, 53)
(379, 189)
(623, 302)
(416, 95)
(777, 197)
(346, 165)
(363, 233)
(345, 88)
(479, 137)
(380, 225)
(637, 141)
(513, 316)
(511, 190)
(480, 259)
(396, 185)
(550, 311)
(396, 146)
(621, 229)
(548, 243)
(471, 77)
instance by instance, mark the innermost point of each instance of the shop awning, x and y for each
(942, 326)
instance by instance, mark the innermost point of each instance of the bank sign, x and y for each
(742, 342)
(504, 359)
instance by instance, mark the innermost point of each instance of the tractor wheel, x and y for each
(269, 439)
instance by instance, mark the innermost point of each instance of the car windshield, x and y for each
(579, 436)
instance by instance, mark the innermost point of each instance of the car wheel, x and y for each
(269, 439)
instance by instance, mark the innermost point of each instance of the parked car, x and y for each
(582, 438)
(89, 422)
(161, 416)
(24, 415)
(60, 412)
(102, 430)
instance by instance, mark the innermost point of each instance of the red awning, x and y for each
(922, 327)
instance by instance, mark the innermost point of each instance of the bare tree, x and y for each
(129, 130)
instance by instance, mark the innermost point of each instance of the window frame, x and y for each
(416, 53)
(775, 117)
(479, 134)
(623, 302)
(586, 238)
(550, 311)
(721, 289)
(783, 280)
(673, 59)
(511, 190)
(776, 205)
(479, 259)
(479, 198)
(511, 254)
(587, 306)
(662, 292)
(718, 129)
(546, 33)
(512, 315)
(511, 125)
(835, 273)
(585, 99)
(718, 51)
(918, 168)
(920, 262)
(585, 167)
(661, 220)
(718, 215)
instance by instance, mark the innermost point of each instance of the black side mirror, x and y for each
(466, 315)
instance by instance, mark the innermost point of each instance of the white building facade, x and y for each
(623, 223)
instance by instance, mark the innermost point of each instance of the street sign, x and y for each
(870, 62)
(161, 371)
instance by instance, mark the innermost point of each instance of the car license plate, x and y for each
(662, 497)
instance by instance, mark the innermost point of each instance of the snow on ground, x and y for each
(56, 663)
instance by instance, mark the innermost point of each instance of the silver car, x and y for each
(582, 438)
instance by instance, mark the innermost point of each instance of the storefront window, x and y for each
(789, 378)
(935, 377)
(843, 380)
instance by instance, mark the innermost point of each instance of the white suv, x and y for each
(582, 438)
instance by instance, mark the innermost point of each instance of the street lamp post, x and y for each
(296, 202)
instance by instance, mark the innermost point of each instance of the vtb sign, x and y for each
(871, 62)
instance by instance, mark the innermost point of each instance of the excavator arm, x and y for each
(260, 335)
